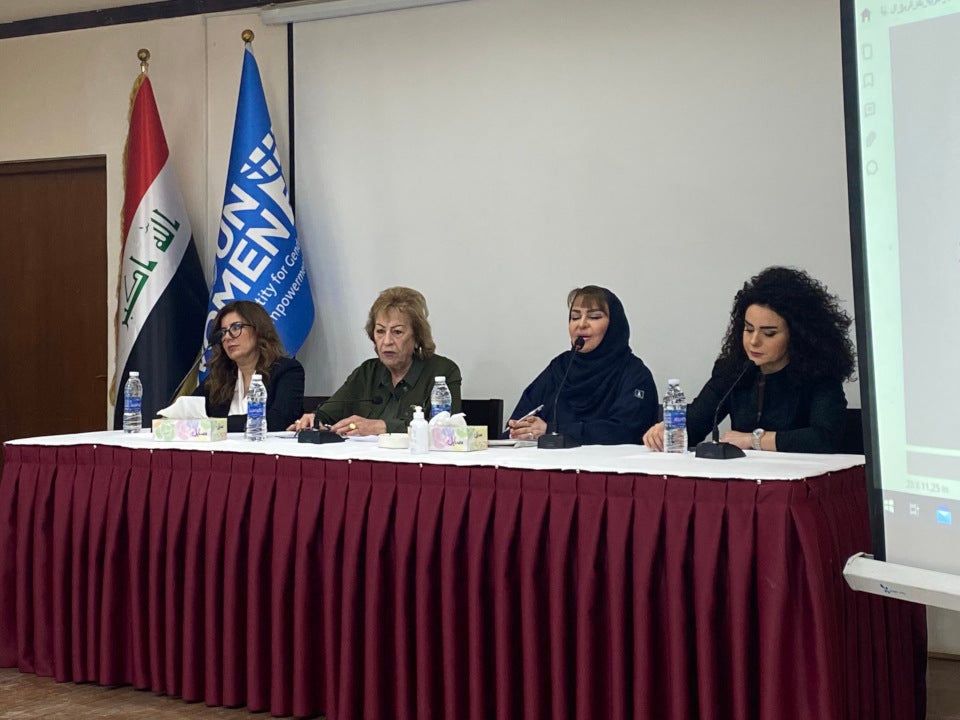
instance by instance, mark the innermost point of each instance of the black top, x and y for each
(284, 398)
(807, 416)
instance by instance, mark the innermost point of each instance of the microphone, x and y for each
(553, 441)
(316, 436)
(375, 400)
(714, 449)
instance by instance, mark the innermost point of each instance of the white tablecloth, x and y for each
(756, 465)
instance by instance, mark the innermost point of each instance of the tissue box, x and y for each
(458, 439)
(190, 429)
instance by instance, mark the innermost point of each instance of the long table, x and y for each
(508, 583)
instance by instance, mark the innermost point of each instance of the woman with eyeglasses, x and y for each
(246, 342)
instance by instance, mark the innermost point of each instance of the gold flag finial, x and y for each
(247, 35)
(144, 56)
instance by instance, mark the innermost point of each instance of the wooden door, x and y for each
(53, 297)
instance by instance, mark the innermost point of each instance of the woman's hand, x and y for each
(742, 440)
(653, 438)
(528, 429)
(304, 423)
(355, 425)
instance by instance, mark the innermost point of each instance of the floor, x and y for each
(25, 696)
(943, 689)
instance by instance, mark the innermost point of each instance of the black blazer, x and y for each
(284, 398)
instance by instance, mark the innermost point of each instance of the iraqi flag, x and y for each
(259, 256)
(161, 292)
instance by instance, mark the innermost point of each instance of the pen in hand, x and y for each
(530, 414)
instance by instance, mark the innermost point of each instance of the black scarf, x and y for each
(595, 377)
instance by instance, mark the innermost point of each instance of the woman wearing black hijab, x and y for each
(609, 396)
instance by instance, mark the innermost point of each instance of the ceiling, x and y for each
(13, 10)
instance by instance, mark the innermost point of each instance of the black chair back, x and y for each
(485, 412)
(851, 437)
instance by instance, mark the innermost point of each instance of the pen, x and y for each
(530, 414)
(533, 412)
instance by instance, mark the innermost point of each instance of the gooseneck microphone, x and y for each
(317, 436)
(554, 440)
(714, 449)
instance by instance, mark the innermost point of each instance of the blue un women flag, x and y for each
(259, 256)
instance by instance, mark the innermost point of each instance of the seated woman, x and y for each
(246, 342)
(379, 396)
(791, 397)
(608, 397)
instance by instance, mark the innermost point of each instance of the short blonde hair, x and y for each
(412, 304)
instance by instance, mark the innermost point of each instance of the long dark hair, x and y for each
(222, 380)
(820, 347)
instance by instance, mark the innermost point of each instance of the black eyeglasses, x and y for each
(233, 330)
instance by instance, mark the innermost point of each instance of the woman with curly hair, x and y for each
(246, 342)
(788, 342)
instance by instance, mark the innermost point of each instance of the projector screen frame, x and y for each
(851, 106)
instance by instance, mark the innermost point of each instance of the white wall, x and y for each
(943, 631)
(68, 94)
(496, 153)
(527, 147)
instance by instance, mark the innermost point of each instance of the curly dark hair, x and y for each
(222, 380)
(820, 347)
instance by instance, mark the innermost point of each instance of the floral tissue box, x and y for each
(190, 429)
(458, 439)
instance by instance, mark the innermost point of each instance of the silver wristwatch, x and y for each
(757, 434)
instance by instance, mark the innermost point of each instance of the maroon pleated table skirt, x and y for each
(380, 590)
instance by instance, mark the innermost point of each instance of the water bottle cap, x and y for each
(673, 381)
(256, 376)
(134, 373)
(440, 378)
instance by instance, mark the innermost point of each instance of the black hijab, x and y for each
(595, 377)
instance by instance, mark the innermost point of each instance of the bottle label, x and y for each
(132, 404)
(255, 411)
(436, 409)
(674, 417)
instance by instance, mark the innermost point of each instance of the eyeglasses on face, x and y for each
(233, 330)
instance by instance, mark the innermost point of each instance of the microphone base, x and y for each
(553, 441)
(317, 437)
(719, 450)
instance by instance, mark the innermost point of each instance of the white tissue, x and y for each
(445, 419)
(185, 408)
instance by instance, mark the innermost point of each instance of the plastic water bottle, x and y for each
(419, 432)
(256, 409)
(440, 398)
(132, 399)
(674, 418)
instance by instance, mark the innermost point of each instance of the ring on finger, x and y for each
(353, 426)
